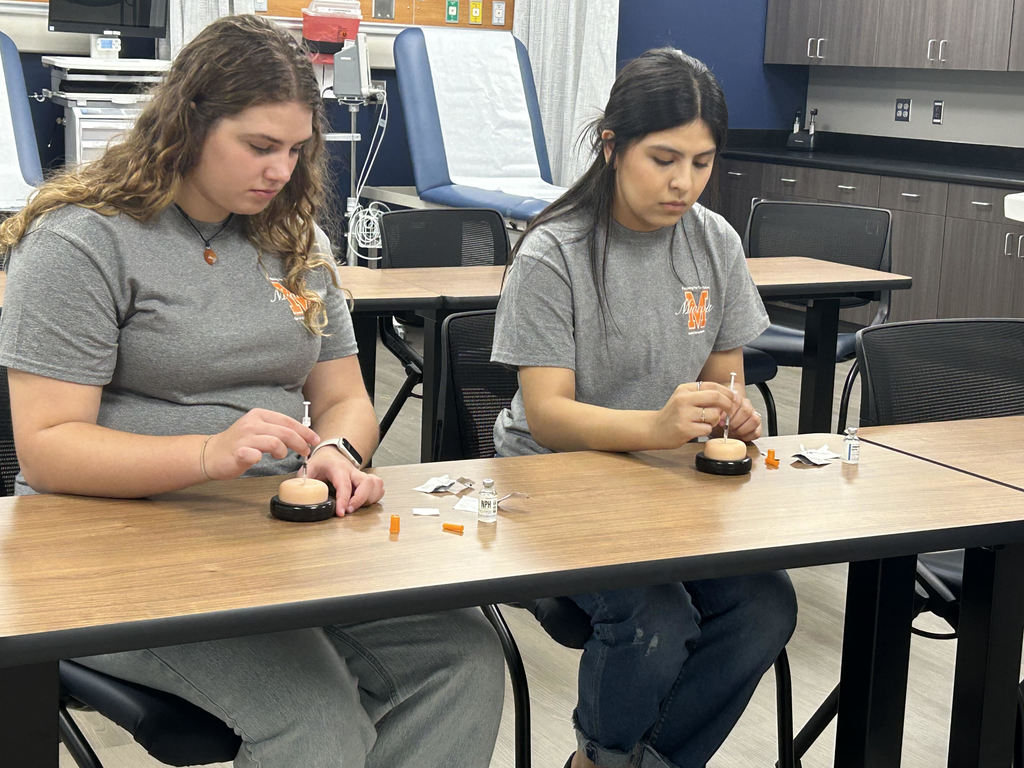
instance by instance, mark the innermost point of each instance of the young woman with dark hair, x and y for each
(168, 308)
(625, 309)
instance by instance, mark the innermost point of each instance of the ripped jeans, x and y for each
(669, 669)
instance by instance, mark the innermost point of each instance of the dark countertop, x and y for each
(932, 161)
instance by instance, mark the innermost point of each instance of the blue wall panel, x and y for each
(728, 35)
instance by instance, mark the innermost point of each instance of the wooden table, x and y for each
(822, 283)
(988, 448)
(82, 576)
(377, 292)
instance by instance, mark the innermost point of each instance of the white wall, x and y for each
(980, 107)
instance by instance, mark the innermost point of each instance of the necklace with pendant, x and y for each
(209, 254)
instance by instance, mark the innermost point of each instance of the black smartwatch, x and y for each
(344, 446)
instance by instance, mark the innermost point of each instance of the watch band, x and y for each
(344, 447)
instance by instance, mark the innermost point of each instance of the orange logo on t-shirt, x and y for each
(297, 303)
(696, 309)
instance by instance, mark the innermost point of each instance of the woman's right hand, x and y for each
(692, 411)
(229, 453)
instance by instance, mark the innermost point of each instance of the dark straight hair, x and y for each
(660, 89)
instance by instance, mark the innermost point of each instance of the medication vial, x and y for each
(487, 503)
(851, 446)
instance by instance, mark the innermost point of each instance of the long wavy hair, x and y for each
(660, 89)
(235, 63)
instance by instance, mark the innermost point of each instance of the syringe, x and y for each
(732, 388)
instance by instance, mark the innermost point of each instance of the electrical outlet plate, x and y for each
(903, 110)
(938, 107)
(476, 12)
(384, 9)
(451, 11)
(498, 13)
(260, 6)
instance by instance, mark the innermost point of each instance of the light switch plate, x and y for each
(938, 107)
(260, 6)
(498, 13)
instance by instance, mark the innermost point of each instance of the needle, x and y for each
(306, 422)
(732, 388)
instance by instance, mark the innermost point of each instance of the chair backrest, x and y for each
(20, 169)
(473, 390)
(938, 370)
(443, 237)
(481, 120)
(8, 458)
(845, 234)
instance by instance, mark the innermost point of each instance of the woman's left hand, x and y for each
(745, 422)
(353, 488)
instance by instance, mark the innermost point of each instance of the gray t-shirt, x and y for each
(676, 295)
(179, 346)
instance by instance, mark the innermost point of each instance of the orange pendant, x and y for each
(209, 255)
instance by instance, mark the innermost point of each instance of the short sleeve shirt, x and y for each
(178, 346)
(672, 297)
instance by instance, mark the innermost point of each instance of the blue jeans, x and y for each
(412, 691)
(669, 669)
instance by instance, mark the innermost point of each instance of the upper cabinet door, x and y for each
(908, 33)
(847, 31)
(976, 35)
(791, 32)
(1017, 38)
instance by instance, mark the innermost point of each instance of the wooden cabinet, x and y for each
(918, 223)
(791, 31)
(976, 35)
(916, 251)
(739, 183)
(1017, 38)
(931, 34)
(821, 32)
(979, 269)
(982, 256)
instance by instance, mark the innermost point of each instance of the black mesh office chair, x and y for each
(437, 237)
(936, 370)
(172, 730)
(845, 234)
(473, 391)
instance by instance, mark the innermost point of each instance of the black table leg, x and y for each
(987, 658)
(29, 697)
(876, 651)
(365, 326)
(819, 372)
(431, 379)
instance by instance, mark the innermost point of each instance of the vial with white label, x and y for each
(487, 503)
(851, 446)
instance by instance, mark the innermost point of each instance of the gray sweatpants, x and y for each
(418, 690)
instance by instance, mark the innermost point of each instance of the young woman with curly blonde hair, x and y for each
(169, 306)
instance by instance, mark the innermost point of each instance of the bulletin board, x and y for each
(421, 12)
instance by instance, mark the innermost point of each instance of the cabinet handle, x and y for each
(817, 49)
(788, 181)
(981, 203)
(810, 42)
(912, 195)
(735, 173)
(845, 187)
(942, 49)
(1006, 244)
(1020, 247)
(931, 44)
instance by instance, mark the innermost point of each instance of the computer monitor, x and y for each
(109, 18)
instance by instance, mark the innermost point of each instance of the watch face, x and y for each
(352, 452)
